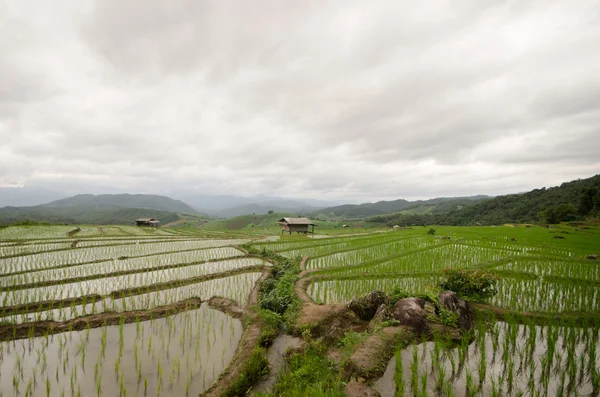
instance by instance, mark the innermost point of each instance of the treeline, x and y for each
(436, 205)
(82, 215)
(570, 201)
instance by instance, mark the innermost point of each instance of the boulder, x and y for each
(466, 316)
(366, 307)
(411, 312)
(449, 301)
(383, 313)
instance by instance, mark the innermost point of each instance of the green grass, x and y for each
(310, 373)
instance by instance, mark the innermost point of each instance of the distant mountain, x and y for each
(228, 205)
(142, 201)
(436, 205)
(98, 215)
(263, 208)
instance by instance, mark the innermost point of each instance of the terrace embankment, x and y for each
(384, 326)
(253, 328)
(62, 303)
(41, 328)
(47, 305)
(583, 319)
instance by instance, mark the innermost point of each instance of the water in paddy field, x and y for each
(236, 288)
(555, 359)
(174, 356)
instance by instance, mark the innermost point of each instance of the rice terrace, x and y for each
(121, 310)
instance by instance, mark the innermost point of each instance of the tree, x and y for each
(586, 200)
(558, 213)
(270, 212)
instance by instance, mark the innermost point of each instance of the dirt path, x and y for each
(302, 282)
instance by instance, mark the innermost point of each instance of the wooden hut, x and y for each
(147, 222)
(298, 225)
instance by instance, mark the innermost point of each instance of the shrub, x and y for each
(396, 294)
(475, 285)
(431, 231)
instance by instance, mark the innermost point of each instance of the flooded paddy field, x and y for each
(116, 311)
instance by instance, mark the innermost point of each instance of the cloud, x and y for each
(342, 100)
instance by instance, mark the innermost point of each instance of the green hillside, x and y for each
(149, 201)
(83, 215)
(437, 205)
(570, 201)
(261, 224)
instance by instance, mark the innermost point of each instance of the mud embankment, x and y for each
(42, 328)
(250, 338)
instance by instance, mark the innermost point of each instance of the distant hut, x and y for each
(298, 225)
(147, 222)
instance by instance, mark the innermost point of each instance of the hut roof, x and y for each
(146, 220)
(296, 221)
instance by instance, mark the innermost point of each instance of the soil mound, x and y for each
(358, 389)
(370, 359)
(330, 321)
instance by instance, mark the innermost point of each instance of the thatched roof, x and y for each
(296, 221)
(146, 220)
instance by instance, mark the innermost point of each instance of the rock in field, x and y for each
(366, 307)
(449, 301)
(383, 313)
(411, 312)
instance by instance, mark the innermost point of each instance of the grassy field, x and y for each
(116, 310)
(545, 273)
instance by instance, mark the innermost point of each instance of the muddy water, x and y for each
(277, 360)
(179, 355)
(386, 385)
(526, 376)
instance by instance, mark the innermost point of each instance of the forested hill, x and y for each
(570, 201)
(437, 205)
(83, 215)
(145, 201)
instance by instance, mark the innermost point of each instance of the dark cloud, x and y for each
(333, 99)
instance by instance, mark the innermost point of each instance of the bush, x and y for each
(431, 231)
(396, 294)
(475, 285)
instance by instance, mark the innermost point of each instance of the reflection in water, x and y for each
(179, 355)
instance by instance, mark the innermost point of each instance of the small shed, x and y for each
(298, 225)
(147, 222)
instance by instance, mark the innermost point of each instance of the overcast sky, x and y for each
(349, 100)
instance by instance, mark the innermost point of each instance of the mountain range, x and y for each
(552, 204)
(436, 205)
